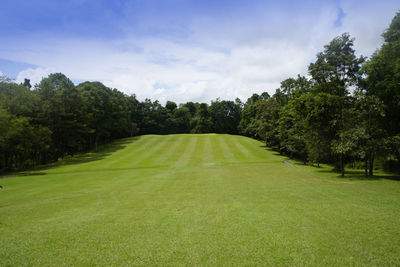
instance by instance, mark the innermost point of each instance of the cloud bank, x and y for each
(202, 55)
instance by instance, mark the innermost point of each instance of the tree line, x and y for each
(57, 118)
(347, 110)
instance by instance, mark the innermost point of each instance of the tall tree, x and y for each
(247, 125)
(225, 116)
(369, 114)
(335, 71)
(383, 81)
(202, 121)
(267, 117)
(61, 112)
(291, 128)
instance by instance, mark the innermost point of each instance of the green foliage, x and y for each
(383, 81)
(22, 144)
(392, 34)
(319, 120)
(267, 120)
(337, 67)
(248, 124)
(79, 118)
(225, 116)
(170, 106)
(291, 132)
(202, 123)
(335, 70)
(61, 111)
(180, 120)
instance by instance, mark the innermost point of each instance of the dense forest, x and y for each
(346, 111)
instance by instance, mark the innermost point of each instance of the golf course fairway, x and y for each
(185, 200)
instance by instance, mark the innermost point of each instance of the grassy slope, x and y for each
(196, 199)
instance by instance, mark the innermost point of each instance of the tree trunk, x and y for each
(366, 166)
(96, 141)
(342, 164)
(371, 165)
(397, 153)
(90, 142)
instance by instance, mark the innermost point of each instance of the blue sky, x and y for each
(181, 50)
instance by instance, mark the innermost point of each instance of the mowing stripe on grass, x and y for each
(227, 152)
(248, 154)
(240, 153)
(217, 150)
(151, 153)
(187, 152)
(133, 151)
(196, 158)
(174, 144)
(208, 155)
(257, 148)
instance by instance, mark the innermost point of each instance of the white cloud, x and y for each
(366, 23)
(216, 60)
(34, 75)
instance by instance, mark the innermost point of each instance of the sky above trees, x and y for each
(181, 50)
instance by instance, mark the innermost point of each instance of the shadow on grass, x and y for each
(352, 174)
(270, 149)
(103, 152)
(360, 175)
(315, 165)
(113, 169)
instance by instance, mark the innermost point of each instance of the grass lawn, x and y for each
(184, 200)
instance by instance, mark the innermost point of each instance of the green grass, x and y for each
(184, 200)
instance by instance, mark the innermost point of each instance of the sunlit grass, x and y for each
(196, 200)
